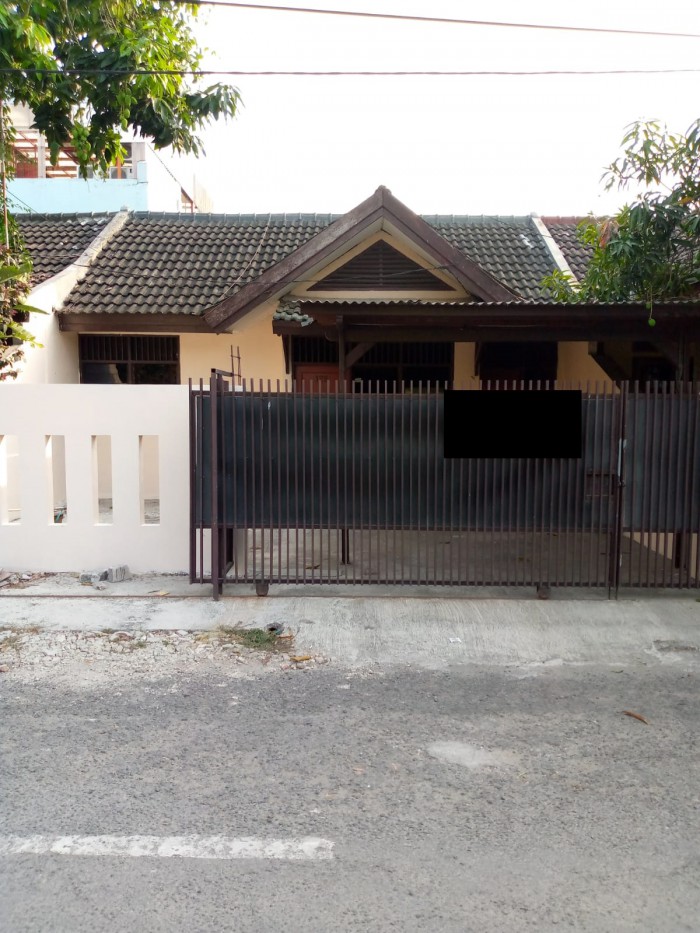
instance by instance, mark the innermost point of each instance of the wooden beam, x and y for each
(357, 353)
(341, 350)
(134, 323)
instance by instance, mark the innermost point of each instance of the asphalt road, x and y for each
(546, 807)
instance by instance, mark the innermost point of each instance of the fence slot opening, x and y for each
(102, 478)
(10, 508)
(56, 476)
(149, 479)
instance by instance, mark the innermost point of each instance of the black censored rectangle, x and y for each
(512, 424)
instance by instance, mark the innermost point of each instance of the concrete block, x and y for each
(90, 577)
(118, 574)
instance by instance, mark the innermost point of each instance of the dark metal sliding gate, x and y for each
(344, 487)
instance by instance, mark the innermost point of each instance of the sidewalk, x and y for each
(398, 627)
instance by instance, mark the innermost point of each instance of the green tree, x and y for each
(90, 70)
(650, 250)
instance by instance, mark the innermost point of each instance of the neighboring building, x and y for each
(377, 294)
(144, 181)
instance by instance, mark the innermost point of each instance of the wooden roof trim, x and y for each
(133, 323)
(382, 205)
(468, 273)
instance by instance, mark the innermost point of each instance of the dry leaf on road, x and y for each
(629, 712)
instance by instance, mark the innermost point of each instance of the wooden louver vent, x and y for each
(381, 266)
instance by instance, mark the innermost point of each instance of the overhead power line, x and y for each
(406, 17)
(87, 72)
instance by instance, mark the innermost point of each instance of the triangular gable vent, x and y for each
(381, 266)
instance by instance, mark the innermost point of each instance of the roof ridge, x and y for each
(278, 217)
(65, 215)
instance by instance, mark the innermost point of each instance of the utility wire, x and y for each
(405, 17)
(86, 72)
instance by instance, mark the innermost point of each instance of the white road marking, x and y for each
(303, 848)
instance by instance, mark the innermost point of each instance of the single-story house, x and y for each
(379, 294)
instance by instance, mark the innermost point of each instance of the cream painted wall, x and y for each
(576, 365)
(262, 355)
(465, 360)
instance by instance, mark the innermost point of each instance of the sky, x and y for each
(451, 145)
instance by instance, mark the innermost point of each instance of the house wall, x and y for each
(465, 362)
(261, 351)
(576, 365)
(56, 361)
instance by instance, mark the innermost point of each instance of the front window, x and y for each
(129, 360)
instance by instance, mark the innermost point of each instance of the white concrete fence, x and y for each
(93, 476)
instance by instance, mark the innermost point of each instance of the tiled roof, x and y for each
(508, 247)
(565, 232)
(54, 241)
(172, 263)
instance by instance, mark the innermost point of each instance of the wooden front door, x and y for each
(315, 378)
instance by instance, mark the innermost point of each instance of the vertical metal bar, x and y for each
(426, 488)
(286, 483)
(679, 528)
(246, 405)
(193, 484)
(355, 402)
(659, 451)
(255, 439)
(640, 452)
(398, 454)
(364, 455)
(627, 484)
(235, 516)
(537, 493)
(200, 457)
(460, 519)
(672, 482)
(570, 503)
(684, 538)
(692, 476)
(326, 519)
(621, 481)
(437, 537)
(651, 394)
(419, 485)
(266, 455)
(610, 572)
(339, 503)
(387, 495)
(669, 397)
(694, 473)
(382, 543)
(223, 447)
(215, 568)
(579, 499)
(294, 401)
(606, 466)
(280, 407)
(304, 477)
(527, 519)
(592, 531)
